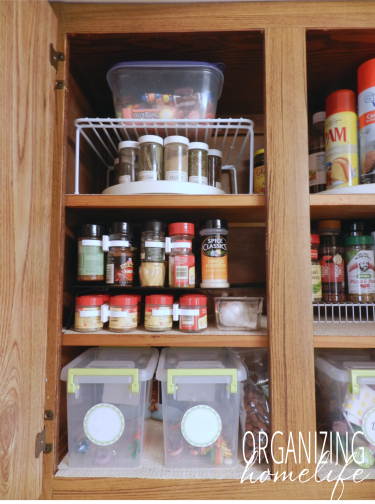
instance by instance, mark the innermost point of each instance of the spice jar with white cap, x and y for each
(128, 156)
(214, 168)
(198, 162)
(176, 158)
(150, 158)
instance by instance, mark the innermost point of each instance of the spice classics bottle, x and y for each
(360, 269)
(331, 259)
(181, 258)
(90, 253)
(120, 258)
(316, 276)
(214, 253)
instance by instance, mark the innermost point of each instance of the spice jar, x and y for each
(190, 321)
(150, 158)
(152, 274)
(116, 170)
(120, 265)
(123, 314)
(317, 154)
(159, 313)
(328, 227)
(354, 228)
(360, 269)
(198, 161)
(316, 275)
(331, 259)
(214, 253)
(181, 258)
(259, 180)
(139, 308)
(214, 168)
(90, 253)
(87, 313)
(128, 155)
(176, 158)
(153, 241)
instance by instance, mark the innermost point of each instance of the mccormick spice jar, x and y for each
(123, 315)
(189, 320)
(128, 155)
(90, 253)
(316, 276)
(87, 313)
(328, 227)
(366, 119)
(214, 168)
(120, 257)
(360, 269)
(198, 162)
(214, 253)
(259, 181)
(176, 158)
(331, 259)
(181, 257)
(159, 313)
(150, 158)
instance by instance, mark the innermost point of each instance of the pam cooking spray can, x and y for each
(341, 140)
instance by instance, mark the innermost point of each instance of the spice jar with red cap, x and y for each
(316, 272)
(159, 313)
(181, 258)
(123, 313)
(193, 313)
(87, 313)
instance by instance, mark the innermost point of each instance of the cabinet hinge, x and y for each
(55, 57)
(49, 414)
(41, 445)
(60, 84)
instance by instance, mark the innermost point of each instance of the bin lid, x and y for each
(338, 365)
(198, 358)
(143, 359)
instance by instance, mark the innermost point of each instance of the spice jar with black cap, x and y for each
(120, 257)
(331, 260)
(152, 268)
(214, 253)
(90, 253)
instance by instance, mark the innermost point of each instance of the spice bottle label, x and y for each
(153, 252)
(259, 180)
(119, 270)
(184, 271)
(176, 176)
(156, 322)
(333, 274)
(147, 175)
(361, 277)
(128, 322)
(90, 260)
(87, 322)
(194, 322)
(317, 168)
(196, 179)
(316, 278)
(214, 258)
(124, 179)
(341, 150)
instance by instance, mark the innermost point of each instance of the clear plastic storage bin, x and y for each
(106, 395)
(201, 397)
(238, 313)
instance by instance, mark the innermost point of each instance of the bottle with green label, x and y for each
(90, 253)
(316, 272)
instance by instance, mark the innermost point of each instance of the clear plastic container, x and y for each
(150, 158)
(159, 313)
(87, 313)
(166, 90)
(214, 168)
(190, 321)
(176, 158)
(128, 156)
(238, 313)
(123, 314)
(201, 397)
(198, 163)
(181, 257)
(106, 396)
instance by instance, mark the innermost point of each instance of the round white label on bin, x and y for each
(368, 426)
(201, 426)
(104, 424)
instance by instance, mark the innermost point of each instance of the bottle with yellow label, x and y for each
(259, 173)
(341, 140)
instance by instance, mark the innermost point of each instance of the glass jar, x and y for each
(214, 253)
(152, 274)
(159, 313)
(128, 155)
(181, 258)
(176, 158)
(328, 227)
(150, 158)
(189, 322)
(259, 179)
(120, 266)
(198, 161)
(87, 313)
(360, 269)
(316, 275)
(214, 168)
(354, 228)
(331, 260)
(116, 170)
(317, 154)
(123, 315)
(90, 253)
(153, 241)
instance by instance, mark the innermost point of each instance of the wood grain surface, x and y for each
(342, 206)
(27, 111)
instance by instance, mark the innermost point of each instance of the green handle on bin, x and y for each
(71, 387)
(353, 387)
(201, 372)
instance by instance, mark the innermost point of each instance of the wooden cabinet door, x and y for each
(27, 105)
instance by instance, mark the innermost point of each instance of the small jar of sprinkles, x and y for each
(123, 314)
(193, 313)
(159, 313)
(87, 313)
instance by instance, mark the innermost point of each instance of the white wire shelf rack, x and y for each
(233, 137)
(344, 312)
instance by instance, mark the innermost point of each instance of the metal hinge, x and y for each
(41, 445)
(55, 57)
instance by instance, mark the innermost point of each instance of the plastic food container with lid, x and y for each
(88, 313)
(106, 396)
(201, 396)
(238, 313)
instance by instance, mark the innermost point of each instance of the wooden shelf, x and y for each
(342, 206)
(345, 335)
(233, 207)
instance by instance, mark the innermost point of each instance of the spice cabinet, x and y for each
(282, 61)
